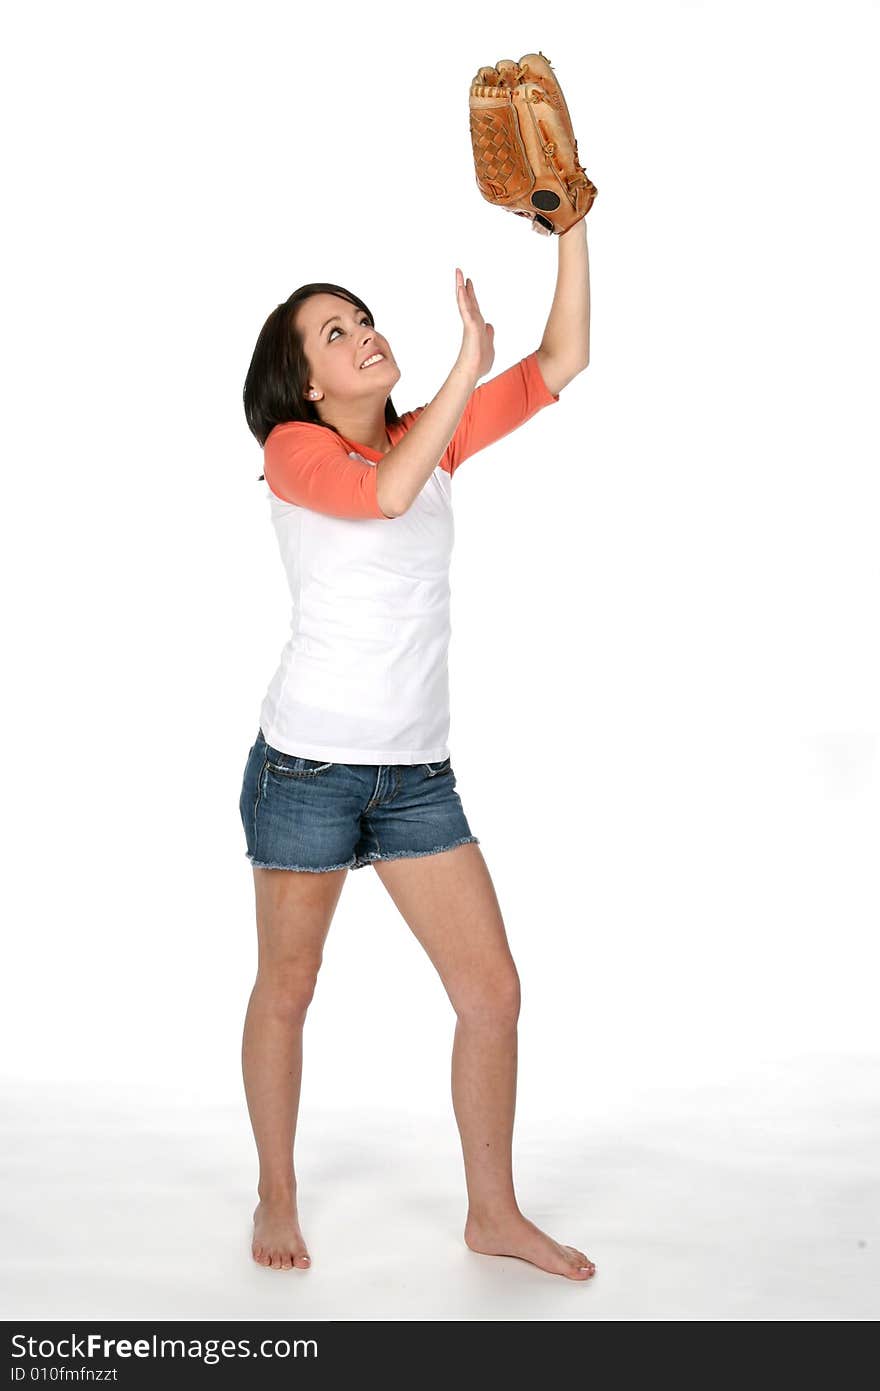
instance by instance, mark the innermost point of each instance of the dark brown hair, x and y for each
(276, 381)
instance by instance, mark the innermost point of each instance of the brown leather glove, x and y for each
(525, 153)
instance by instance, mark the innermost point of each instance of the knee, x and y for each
(286, 987)
(492, 1001)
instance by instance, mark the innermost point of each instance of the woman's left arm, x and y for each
(565, 346)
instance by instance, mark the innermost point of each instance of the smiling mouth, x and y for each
(372, 361)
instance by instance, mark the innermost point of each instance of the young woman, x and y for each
(351, 764)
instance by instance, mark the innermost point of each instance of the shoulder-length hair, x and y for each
(276, 381)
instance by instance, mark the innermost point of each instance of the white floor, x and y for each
(757, 1200)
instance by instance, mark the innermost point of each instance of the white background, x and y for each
(664, 663)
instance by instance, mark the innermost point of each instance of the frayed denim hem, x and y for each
(302, 869)
(415, 854)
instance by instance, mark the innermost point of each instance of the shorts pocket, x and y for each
(433, 770)
(294, 765)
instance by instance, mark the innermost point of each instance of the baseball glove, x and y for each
(525, 153)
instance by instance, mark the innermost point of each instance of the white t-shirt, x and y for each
(363, 677)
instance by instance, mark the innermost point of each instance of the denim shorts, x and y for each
(302, 813)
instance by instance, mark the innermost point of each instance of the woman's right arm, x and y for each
(405, 469)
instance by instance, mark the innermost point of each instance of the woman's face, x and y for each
(338, 338)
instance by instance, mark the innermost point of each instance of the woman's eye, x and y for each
(339, 330)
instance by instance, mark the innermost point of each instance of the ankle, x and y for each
(277, 1193)
(490, 1212)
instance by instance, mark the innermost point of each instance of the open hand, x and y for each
(478, 339)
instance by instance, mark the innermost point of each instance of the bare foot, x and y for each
(278, 1241)
(515, 1235)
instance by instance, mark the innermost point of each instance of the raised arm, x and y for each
(565, 346)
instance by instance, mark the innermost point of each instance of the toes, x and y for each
(580, 1267)
(279, 1260)
(582, 1260)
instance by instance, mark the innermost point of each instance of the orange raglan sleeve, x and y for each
(496, 407)
(309, 465)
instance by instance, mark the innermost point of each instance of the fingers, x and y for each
(461, 284)
(461, 293)
(466, 285)
(468, 307)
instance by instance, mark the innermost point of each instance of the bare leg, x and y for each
(449, 902)
(294, 911)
